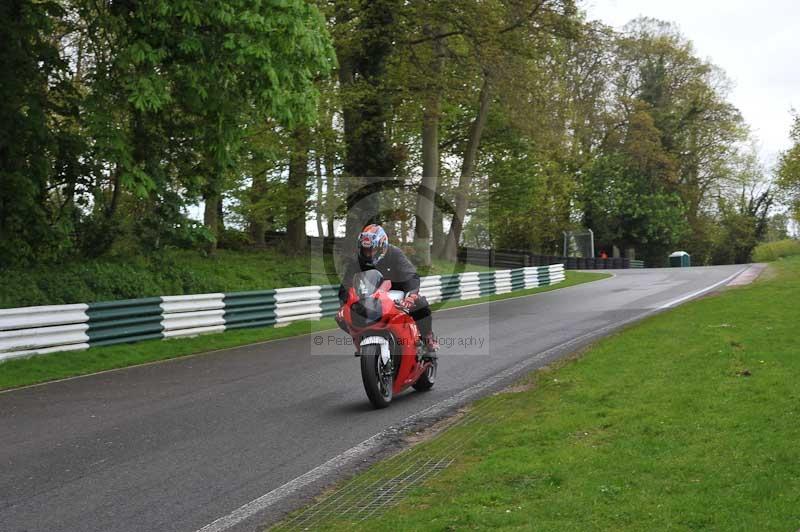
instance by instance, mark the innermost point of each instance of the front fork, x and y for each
(386, 354)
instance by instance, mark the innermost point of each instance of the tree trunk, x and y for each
(258, 224)
(349, 119)
(330, 193)
(220, 218)
(298, 179)
(116, 192)
(368, 152)
(391, 231)
(438, 232)
(210, 218)
(467, 167)
(426, 196)
(320, 203)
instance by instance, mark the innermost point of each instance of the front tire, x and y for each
(376, 376)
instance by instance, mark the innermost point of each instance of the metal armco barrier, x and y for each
(518, 258)
(32, 331)
(38, 330)
(130, 320)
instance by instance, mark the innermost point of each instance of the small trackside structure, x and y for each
(680, 259)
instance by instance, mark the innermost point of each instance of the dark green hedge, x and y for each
(172, 273)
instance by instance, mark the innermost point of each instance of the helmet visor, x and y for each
(369, 253)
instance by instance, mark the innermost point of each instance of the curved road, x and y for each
(183, 444)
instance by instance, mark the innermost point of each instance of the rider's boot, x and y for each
(431, 346)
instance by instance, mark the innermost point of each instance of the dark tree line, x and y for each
(499, 123)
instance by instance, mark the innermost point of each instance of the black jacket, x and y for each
(395, 267)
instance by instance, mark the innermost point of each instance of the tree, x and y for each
(171, 90)
(430, 79)
(364, 34)
(777, 227)
(743, 211)
(788, 171)
(699, 129)
(33, 88)
(743, 224)
(297, 191)
(511, 29)
(549, 123)
(627, 195)
(506, 120)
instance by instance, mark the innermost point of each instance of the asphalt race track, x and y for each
(181, 444)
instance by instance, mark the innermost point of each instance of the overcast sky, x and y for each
(756, 43)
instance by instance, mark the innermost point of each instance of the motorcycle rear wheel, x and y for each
(377, 377)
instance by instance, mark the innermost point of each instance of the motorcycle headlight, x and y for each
(366, 311)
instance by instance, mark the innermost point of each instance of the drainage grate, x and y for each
(387, 483)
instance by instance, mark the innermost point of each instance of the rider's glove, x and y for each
(409, 301)
(339, 317)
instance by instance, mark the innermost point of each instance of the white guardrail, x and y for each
(31, 331)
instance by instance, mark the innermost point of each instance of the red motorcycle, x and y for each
(387, 339)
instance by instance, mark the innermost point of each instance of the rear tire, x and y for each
(427, 379)
(377, 383)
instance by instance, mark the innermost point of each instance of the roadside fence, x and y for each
(29, 331)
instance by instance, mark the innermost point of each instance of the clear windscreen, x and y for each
(367, 283)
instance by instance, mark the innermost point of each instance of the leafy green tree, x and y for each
(627, 195)
(505, 35)
(777, 227)
(33, 88)
(365, 33)
(523, 116)
(698, 128)
(550, 122)
(174, 84)
(743, 224)
(789, 170)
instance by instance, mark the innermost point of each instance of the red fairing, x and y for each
(400, 325)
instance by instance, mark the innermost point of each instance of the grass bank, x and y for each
(689, 420)
(22, 372)
(173, 272)
(772, 251)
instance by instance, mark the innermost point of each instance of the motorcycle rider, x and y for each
(375, 253)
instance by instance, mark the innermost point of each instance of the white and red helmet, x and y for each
(373, 244)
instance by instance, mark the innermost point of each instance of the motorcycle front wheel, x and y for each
(376, 375)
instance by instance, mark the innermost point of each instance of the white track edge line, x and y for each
(702, 291)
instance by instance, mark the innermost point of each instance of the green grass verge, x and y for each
(22, 372)
(689, 420)
(771, 251)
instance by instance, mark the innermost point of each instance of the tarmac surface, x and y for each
(233, 439)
